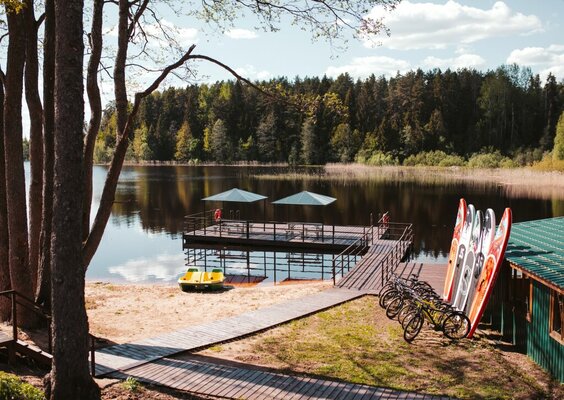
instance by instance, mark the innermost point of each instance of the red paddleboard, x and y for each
(460, 218)
(490, 271)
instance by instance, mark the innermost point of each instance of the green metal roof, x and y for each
(537, 247)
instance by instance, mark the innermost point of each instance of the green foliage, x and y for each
(378, 158)
(490, 160)
(132, 384)
(558, 151)
(309, 150)
(102, 153)
(319, 120)
(25, 145)
(12, 388)
(186, 145)
(548, 163)
(140, 145)
(220, 145)
(437, 158)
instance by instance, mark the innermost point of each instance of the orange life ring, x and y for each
(217, 215)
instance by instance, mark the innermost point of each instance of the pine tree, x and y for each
(558, 151)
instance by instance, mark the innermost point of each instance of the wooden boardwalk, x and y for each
(150, 360)
(128, 355)
(237, 381)
(373, 270)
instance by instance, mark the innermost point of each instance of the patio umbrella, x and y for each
(306, 198)
(236, 196)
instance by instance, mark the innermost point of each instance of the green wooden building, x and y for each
(527, 305)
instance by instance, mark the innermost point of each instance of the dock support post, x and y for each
(274, 267)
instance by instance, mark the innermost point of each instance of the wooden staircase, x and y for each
(12, 343)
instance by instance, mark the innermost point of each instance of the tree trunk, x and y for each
(35, 139)
(5, 308)
(70, 378)
(43, 292)
(20, 274)
(95, 110)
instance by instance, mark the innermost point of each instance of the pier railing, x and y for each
(342, 261)
(205, 224)
(400, 233)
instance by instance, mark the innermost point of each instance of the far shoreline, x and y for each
(521, 180)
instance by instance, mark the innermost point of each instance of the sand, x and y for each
(124, 313)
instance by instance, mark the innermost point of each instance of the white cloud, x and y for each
(237, 33)
(362, 67)
(462, 61)
(436, 26)
(553, 54)
(164, 267)
(251, 73)
(549, 59)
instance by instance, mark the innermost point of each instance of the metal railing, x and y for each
(359, 247)
(400, 233)
(24, 301)
(204, 223)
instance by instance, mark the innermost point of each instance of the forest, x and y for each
(432, 118)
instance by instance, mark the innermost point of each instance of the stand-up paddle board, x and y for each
(462, 248)
(468, 263)
(489, 273)
(488, 233)
(460, 218)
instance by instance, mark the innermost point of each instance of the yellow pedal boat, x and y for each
(194, 279)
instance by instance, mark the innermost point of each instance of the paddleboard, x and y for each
(460, 218)
(462, 248)
(489, 273)
(488, 233)
(468, 263)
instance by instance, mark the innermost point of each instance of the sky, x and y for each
(426, 34)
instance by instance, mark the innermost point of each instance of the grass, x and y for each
(355, 342)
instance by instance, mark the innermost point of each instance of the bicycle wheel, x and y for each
(394, 307)
(387, 297)
(456, 326)
(406, 312)
(413, 327)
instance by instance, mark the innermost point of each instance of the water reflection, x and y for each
(143, 240)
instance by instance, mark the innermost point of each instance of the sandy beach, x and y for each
(123, 313)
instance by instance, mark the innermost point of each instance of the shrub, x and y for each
(490, 160)
(132, 384)
(11, 387)
(548, 163)
(434, 158)
(378, 158)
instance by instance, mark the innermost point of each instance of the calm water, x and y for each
(143, 239)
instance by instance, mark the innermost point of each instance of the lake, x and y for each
(143, 239)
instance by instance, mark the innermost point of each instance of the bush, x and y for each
(11, 387)
(490, 160)
(434, 158)
(548, 163)
(378, 158)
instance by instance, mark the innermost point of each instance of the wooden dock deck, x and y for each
(239, 381)
(281, 235)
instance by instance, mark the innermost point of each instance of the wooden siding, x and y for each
(508, 311)
(541, 347)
